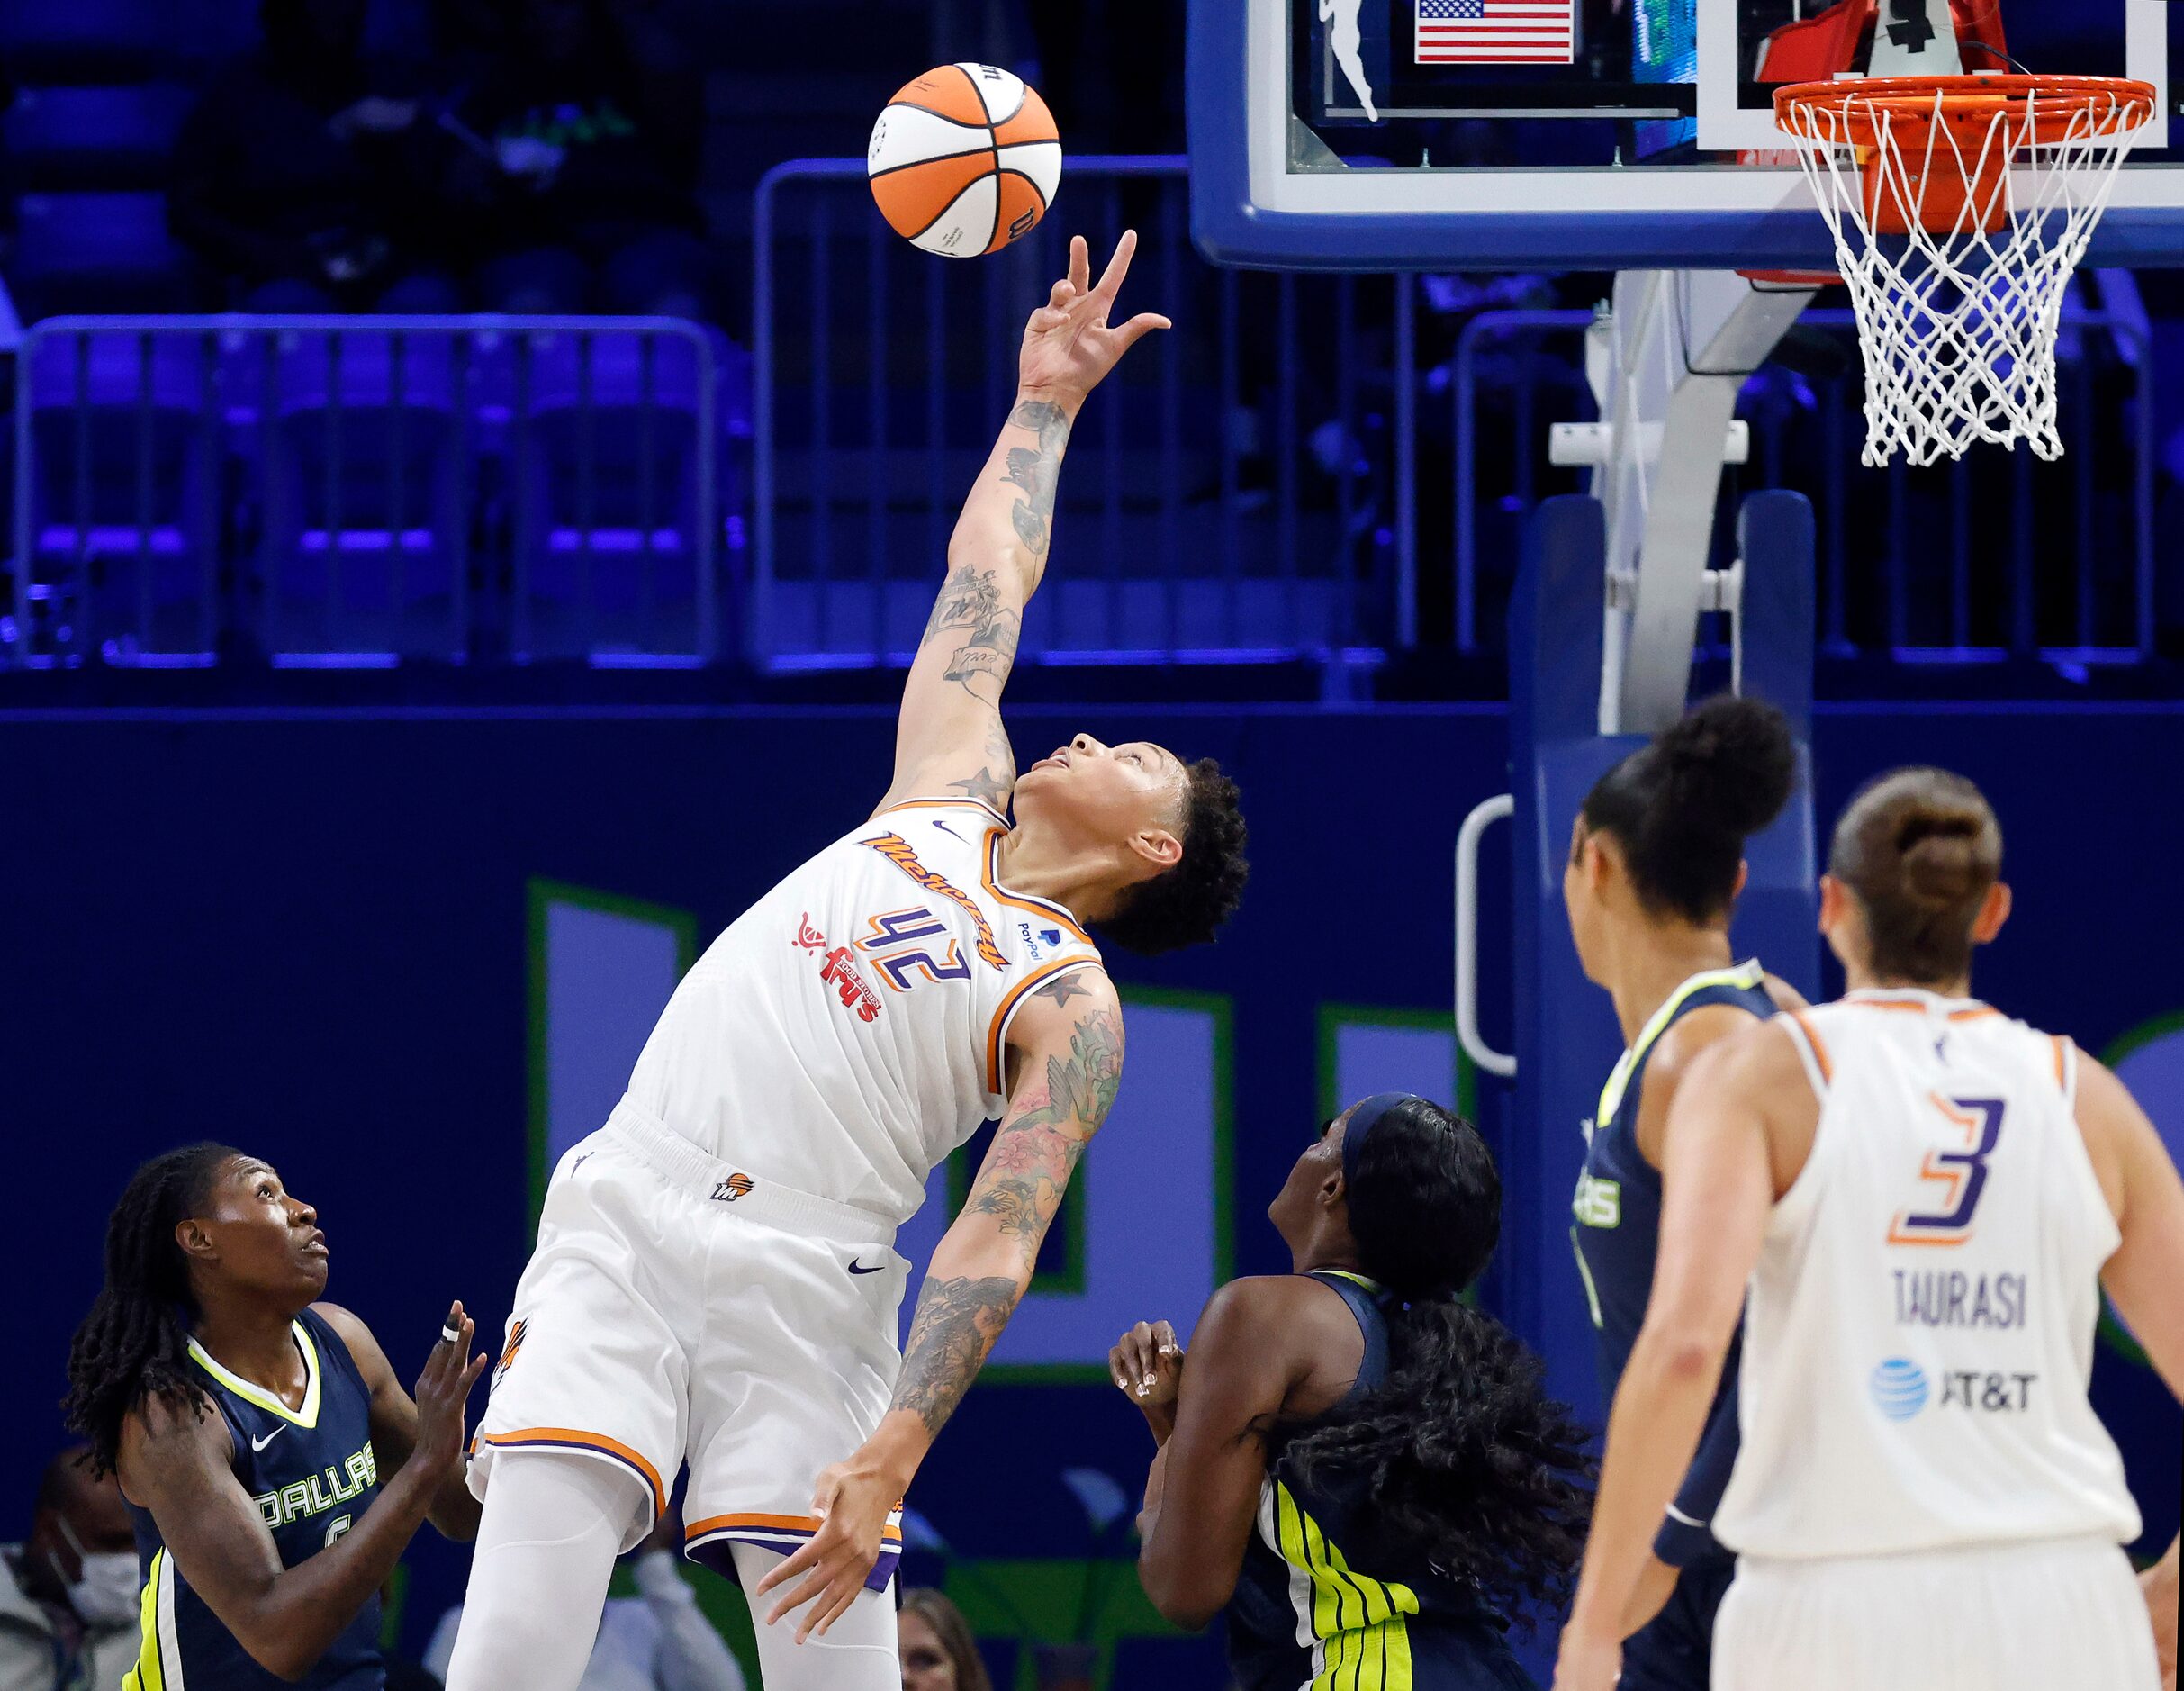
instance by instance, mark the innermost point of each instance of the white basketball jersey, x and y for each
(848, 1030)
(1919, 1333)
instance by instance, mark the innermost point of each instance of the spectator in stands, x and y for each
(294, 177)
(657, 1640)
(938, 1652)
(582, 137)
(68, 1591)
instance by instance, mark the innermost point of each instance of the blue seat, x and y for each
(606, 486)
(125, 434)
(98, 253)
(88, 40)
(94, 138)
(361, 485)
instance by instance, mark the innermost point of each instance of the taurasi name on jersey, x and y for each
(1938, 1298)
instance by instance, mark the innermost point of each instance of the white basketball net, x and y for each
(1958, 324)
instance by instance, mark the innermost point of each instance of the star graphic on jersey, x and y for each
(984, 787)
(1061, 989)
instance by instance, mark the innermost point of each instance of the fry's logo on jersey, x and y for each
(839, 970)
(896, 851)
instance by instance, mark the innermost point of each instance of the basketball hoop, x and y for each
(1956, 262)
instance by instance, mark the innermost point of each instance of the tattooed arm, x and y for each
(1066, 1043)
(949, 736)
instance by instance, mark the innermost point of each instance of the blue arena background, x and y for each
(308, 932)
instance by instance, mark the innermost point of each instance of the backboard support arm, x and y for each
(1667, 361)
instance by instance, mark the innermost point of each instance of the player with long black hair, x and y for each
(1355, 1456)
(1656, 861)
(273, 1467)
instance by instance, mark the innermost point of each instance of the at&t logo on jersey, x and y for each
(1900, 1388)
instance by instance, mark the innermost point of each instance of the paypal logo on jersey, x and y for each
(1899, 1389)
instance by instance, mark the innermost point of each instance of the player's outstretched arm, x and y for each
(2146, 1277)
(179, 1464)
(949, 736)
(1067, 1043)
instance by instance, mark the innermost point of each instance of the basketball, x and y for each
(965, 161)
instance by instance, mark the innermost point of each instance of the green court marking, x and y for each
(1095, 1600)
(1335, 1017)
(540, 896)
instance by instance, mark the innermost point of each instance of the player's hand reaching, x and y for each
(1069, 344)
(1146, 1365)
(442, 1390)
(853, 1500)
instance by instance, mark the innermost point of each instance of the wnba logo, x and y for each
(1899, 1389)
(734, 1187)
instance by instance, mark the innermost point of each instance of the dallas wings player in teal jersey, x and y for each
(1656, 861)
(274, 1466)
(1358, 1466)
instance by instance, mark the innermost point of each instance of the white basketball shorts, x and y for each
(676, 1309)
(2049, 1614)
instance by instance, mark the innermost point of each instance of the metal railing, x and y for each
(1945, 564)
(363, 490)
(1240, 489)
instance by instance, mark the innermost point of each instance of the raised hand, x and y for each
(1069, 344)
(442, 1390)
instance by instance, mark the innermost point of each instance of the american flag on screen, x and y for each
(1496, 32)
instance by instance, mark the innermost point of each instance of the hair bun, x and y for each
(1731, 763)
(1942, 864)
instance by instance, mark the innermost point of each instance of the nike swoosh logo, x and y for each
(953, 835)
(259, 1444)
(859, 1268)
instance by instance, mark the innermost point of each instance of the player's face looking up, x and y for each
(256, 1237)
(1309, 1209)
(1127, 801)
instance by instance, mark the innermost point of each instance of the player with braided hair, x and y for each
(273, 1467)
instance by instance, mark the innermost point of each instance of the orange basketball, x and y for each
(965, 161)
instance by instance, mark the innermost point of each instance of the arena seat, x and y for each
(98, 253)
(63, 138)
(122, 517)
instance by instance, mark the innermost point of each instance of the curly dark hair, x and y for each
(134, 1345)
(1185, 905)
(1469, 1463)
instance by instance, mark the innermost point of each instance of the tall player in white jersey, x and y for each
(714, 1279)
(1914, 1202)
